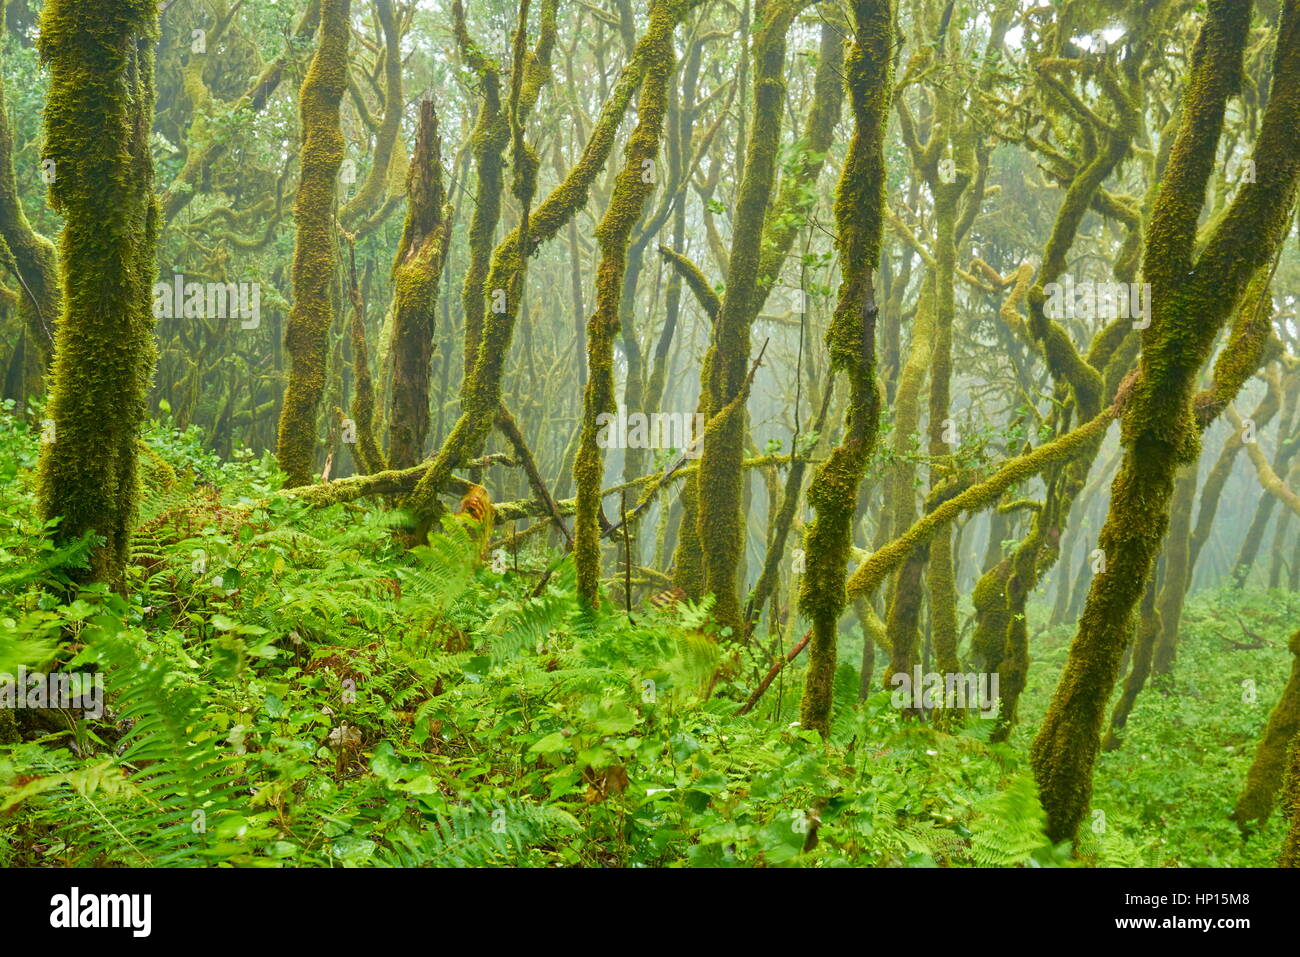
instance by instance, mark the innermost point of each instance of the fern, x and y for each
(474, 835)
(443, 570)
(524, 625)
(71, 555)
(1009, 828)
(159, 800)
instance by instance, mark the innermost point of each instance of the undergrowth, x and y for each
(291, 686)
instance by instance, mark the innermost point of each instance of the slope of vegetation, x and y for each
(650, 433)
(325, 699)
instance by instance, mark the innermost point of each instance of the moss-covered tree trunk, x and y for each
(97, 120)
(34, 264)
(416, 272)
(634, 185)
(1192, 297)
(1257, 798)
(719, 516)
(306, 337)
(851, 341)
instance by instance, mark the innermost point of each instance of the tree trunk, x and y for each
(98, 115)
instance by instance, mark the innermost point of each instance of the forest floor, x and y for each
(289, 685)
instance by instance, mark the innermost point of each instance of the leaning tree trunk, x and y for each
(1192, 296)
(98, 114)
(1266, 770)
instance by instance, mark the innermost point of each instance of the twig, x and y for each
(775, 670)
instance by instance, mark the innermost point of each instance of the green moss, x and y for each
(1264, 778)
(851, 342)
(989, 598)
(1251, 344)
(97, 119)
(613, 233)
(708, 299)
(1290, 856)
(315, 248)
(868, 576)
(537, 71)
(1191, 300)
(388, 482)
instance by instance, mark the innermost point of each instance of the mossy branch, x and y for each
(873, 571)
(705, 295)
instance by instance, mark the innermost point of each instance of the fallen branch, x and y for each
(403, 482)
(775, 670)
